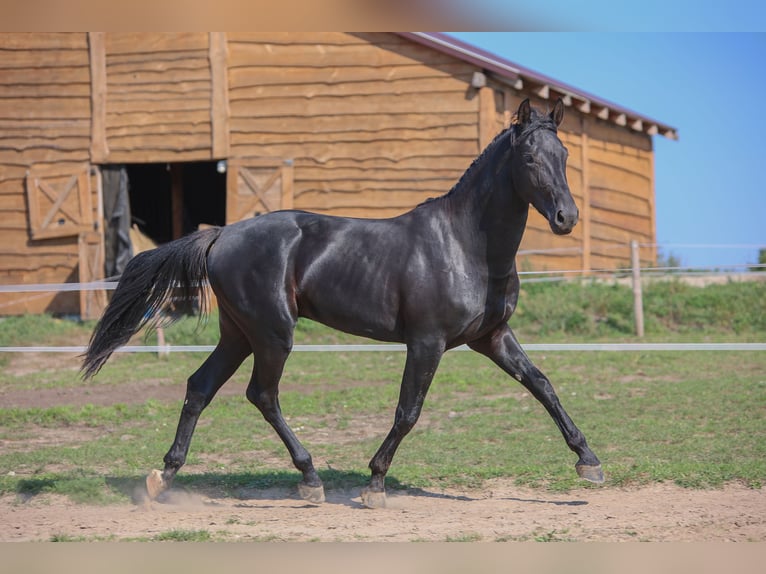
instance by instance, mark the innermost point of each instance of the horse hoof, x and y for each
(313, 494)
(590, 473)
(155, 485)
(373, 498)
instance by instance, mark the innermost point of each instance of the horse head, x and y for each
(539, 166)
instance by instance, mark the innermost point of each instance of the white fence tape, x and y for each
(550, 347)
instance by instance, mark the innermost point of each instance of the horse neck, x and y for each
(486, 207)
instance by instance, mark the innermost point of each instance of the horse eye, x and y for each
(529, 159)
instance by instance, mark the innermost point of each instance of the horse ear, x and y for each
(558, 112)
(524, 112)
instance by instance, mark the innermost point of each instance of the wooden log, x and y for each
(219, 105)
(99, 151)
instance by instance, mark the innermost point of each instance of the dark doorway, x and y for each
(170, 200)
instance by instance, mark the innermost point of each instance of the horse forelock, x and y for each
(537, 122)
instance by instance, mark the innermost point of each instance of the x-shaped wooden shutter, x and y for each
(255, 186)
(59, 203)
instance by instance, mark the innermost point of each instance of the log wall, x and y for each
(45, 123)
(373, 123)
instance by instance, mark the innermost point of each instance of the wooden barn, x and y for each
(106, 134)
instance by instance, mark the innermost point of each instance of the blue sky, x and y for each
(711, 184)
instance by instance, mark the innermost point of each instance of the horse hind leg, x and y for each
(420, 367)
(232, 349)
(263, 393)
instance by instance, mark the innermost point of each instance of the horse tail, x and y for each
(175, 270)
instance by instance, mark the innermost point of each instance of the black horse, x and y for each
(439, 276)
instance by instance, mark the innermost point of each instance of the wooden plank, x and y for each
(402, 177)
(488, 127)
(389, 150)
(179, 104)
(288, 185)
(149, 43)
(42, 60)
(13, 159)
(432, 134)
(160, 121)
(158, 91)
(585, 208)
(373, 184)
(619, 202)
(457, 163)
(158, 155)
(652, 213)
(43, 41)
(21, 142)
(358, 123)
(99, 150)
(255, 74)
(50, 77)
(377, 86)
(609, 177)
(242, 55)
(200, 72)
(90, 268)
(295, 38)
(68, 90)
(323, 200)
(619, 227)
(635, 162)
(178, 142)
(57, 127)
(33, 200)
(46, 108)
(437, 103)
(219, 112)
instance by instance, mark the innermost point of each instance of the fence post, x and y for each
(638, 299)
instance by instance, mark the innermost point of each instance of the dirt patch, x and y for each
(498, 512)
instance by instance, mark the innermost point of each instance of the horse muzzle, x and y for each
(563, 219)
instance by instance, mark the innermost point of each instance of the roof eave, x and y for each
(521, 78)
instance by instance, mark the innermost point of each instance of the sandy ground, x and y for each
(500, 511)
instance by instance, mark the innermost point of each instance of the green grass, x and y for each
(695, 419)
(671, 308)
(183, 536)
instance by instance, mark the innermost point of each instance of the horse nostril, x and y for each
(560, 219)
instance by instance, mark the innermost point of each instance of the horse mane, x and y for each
(517, 132)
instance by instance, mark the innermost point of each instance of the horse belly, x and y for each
(352, 311)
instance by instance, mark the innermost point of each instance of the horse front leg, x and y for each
(419, 370)
(502, 347)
